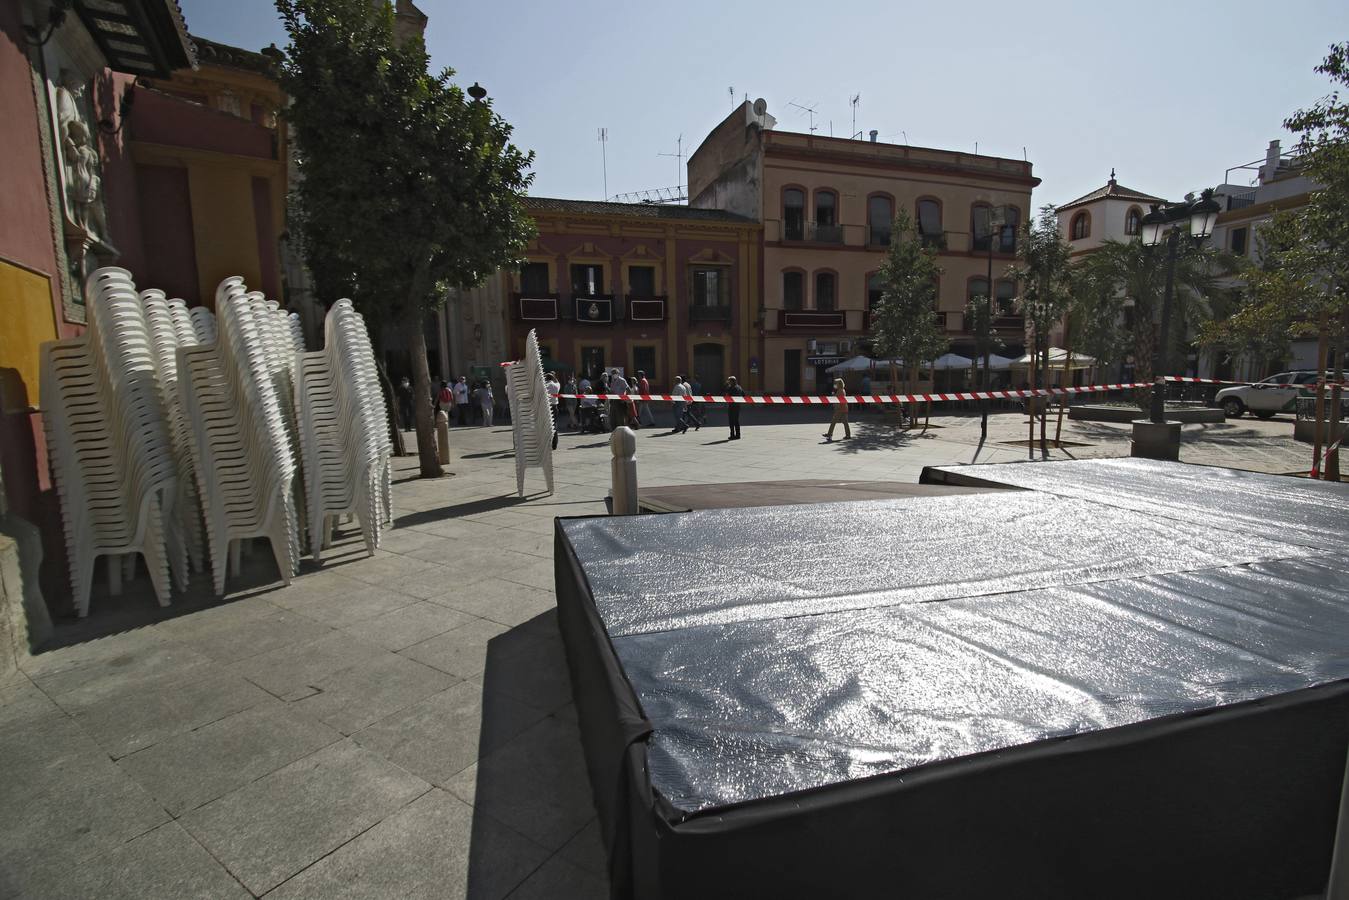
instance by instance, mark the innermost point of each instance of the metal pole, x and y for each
(986, 336)
(1158, 411)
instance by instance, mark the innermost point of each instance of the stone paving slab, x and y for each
(462, 774)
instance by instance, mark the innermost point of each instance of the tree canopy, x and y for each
(904, 324)
(406, 187)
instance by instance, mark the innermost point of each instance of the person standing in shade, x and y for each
(553, 388)
(461, 399)
(840, 411)
(644, 416)
(405, 403)
(733, 390)
(570, 405)
(486, 403)
(618, 409)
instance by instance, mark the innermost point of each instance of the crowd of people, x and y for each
(463, 403)
(592, 414)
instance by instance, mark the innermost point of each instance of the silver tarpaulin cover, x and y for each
(779, 649)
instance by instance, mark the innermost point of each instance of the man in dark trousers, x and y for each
(733, 389)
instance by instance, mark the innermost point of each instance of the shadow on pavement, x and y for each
(532, 798)
(867, 436)
(473, 507)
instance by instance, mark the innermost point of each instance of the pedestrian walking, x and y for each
(644, 415)
(486, 403)
(693, 413)
(445, 400)
(840, 412)
(733, 389)
(678, 391)
(461, 399)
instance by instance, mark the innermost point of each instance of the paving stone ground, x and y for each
(398, 725)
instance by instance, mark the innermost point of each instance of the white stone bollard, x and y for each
(443, 437)
(623, 444)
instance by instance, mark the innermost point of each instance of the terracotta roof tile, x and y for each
(635, 210)
(1112, 191)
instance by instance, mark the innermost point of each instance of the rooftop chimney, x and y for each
(874, 134)
(1271, 166)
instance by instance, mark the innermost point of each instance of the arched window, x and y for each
(793, 214)
(981, 229)
(1006, 299)
(880, 219)
(826, 206)
(1081, 226)
(793, 290)
(1011, 222)
(875, 288)
(1133, 221)
(929, 221)
(824, 291)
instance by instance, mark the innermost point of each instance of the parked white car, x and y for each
(1275, 394)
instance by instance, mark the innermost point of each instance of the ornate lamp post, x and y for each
(997, 218)
(1164, 225)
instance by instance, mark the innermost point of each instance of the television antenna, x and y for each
(604, 157)
(854, 100)
(731, 91)
(809, 111)
(679, 160)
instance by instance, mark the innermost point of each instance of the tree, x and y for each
(905, 322)
(1127, 274)
(1045, 272)
(406, 188)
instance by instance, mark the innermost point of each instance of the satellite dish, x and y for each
(760, 106)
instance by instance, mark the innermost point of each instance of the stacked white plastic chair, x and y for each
(341, 416)
(531, 415)
(170, 326)
(244, 461)
(112, 455)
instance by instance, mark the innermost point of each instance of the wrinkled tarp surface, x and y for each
(781, 649)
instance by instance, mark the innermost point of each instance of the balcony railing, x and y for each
(1006, 325)
(1240, 201)
(536, 307)
(699, 313)
(826, 234)
(597, 309)
(815, 320)
(646, 309)
(878, 236)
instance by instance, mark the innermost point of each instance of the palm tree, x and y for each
(1127, 272)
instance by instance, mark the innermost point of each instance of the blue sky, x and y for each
(1170, 94)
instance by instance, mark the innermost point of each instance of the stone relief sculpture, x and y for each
(81, 173)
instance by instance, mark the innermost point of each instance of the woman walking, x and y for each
(840, 412)
(485, 401)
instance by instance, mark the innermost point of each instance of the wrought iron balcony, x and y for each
(699, 313)
(814, 320)
(536, 307)
(596, 309)
(646, 309)
(1004, 325)
(826, 234)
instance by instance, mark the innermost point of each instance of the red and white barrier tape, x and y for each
(783, 400)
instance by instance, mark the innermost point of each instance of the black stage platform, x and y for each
(1126, 679)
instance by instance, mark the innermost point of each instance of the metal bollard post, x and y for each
(623, 444)
(443, 437)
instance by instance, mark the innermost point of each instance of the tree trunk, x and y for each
(1336, 393)
(1044, 401)
(1145, 340)
(1318, 433)
(391, 407)
(1067, 374)
(421, 391)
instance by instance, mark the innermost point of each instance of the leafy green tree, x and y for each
(905, 324)
(1045, 272)
(407, 188)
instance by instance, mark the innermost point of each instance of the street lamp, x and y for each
(1163, 224)
(997, 218)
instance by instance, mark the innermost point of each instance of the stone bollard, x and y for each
(443, 437)
(623, 444)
